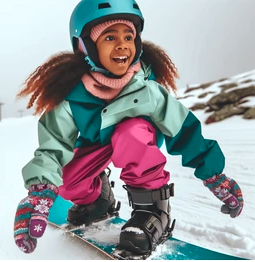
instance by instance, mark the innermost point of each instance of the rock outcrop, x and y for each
(224, 98)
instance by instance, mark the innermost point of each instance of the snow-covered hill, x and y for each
(223, 98)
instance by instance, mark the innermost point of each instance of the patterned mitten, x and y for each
(228, 191)
(32, 215)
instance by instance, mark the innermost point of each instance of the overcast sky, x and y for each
(206, 39)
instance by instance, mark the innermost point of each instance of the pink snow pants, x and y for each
(133, 149)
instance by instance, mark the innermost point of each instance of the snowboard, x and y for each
(102, 237)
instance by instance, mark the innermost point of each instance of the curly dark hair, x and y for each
(51, 82)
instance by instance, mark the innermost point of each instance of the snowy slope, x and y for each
(196, 210)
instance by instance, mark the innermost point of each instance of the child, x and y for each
(108, 102)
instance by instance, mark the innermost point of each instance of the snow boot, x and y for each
(150, 221)
(101, 209)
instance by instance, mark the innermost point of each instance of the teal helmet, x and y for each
(89, 13)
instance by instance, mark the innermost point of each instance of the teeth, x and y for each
(121, 57)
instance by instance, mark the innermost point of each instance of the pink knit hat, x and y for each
(98, 29)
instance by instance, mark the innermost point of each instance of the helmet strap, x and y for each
(82, 46)
(94, 68)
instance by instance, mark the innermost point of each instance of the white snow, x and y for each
(134, 229)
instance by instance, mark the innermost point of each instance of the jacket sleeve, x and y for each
(183, 136)
(57, 134)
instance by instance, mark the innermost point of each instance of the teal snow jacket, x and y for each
(83, 120)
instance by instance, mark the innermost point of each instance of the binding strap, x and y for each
(140, 196)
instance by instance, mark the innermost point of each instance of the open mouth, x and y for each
(120, 59)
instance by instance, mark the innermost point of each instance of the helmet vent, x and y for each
(136, 6)
(104, 5)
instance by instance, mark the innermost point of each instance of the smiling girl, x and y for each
(109, 101)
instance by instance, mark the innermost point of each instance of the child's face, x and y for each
(116, 48)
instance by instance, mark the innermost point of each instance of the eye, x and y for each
(129, 38)
(109, 38)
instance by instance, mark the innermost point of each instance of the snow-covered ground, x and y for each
(196, 210)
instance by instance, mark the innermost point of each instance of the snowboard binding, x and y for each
(149, 225)
(122, 254)
(80, 216)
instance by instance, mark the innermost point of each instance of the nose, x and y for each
(121, 45)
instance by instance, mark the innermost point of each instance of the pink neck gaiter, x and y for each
(107, 88)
